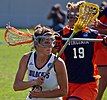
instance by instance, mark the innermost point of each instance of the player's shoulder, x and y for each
(93, 31)
(66, 31)
(27, 55)
(59, 59)
(60, 64)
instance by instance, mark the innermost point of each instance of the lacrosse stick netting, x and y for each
(88, 12)
(15, 37)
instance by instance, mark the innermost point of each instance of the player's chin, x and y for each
(48, 51)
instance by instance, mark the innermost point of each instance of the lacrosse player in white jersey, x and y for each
(54, 85)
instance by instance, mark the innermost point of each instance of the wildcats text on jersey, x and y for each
(37, 74)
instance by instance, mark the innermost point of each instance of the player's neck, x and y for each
(41, 57)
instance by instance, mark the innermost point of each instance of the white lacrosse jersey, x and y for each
(50, 81)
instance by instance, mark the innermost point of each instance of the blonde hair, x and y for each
(41, 30)
(72, 5)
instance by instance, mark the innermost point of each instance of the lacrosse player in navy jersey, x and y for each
(54, 85)
(79, 55)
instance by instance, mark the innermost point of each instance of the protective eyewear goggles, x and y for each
(45, 41)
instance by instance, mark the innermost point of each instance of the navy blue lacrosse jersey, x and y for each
(79, 56)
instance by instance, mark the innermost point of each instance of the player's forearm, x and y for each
(22, 85)
(50, 94)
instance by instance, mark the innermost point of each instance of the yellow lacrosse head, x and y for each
(87, 13)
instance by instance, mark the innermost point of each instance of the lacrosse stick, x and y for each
(87, 13)
(15, 37)
(84, 39)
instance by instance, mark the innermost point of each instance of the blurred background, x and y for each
(27, 13)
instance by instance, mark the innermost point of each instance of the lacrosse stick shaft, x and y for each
(84, 39)
(60, 52)
(57, 56)
(86, 15)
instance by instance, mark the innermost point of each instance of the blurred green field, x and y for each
(9, 59)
